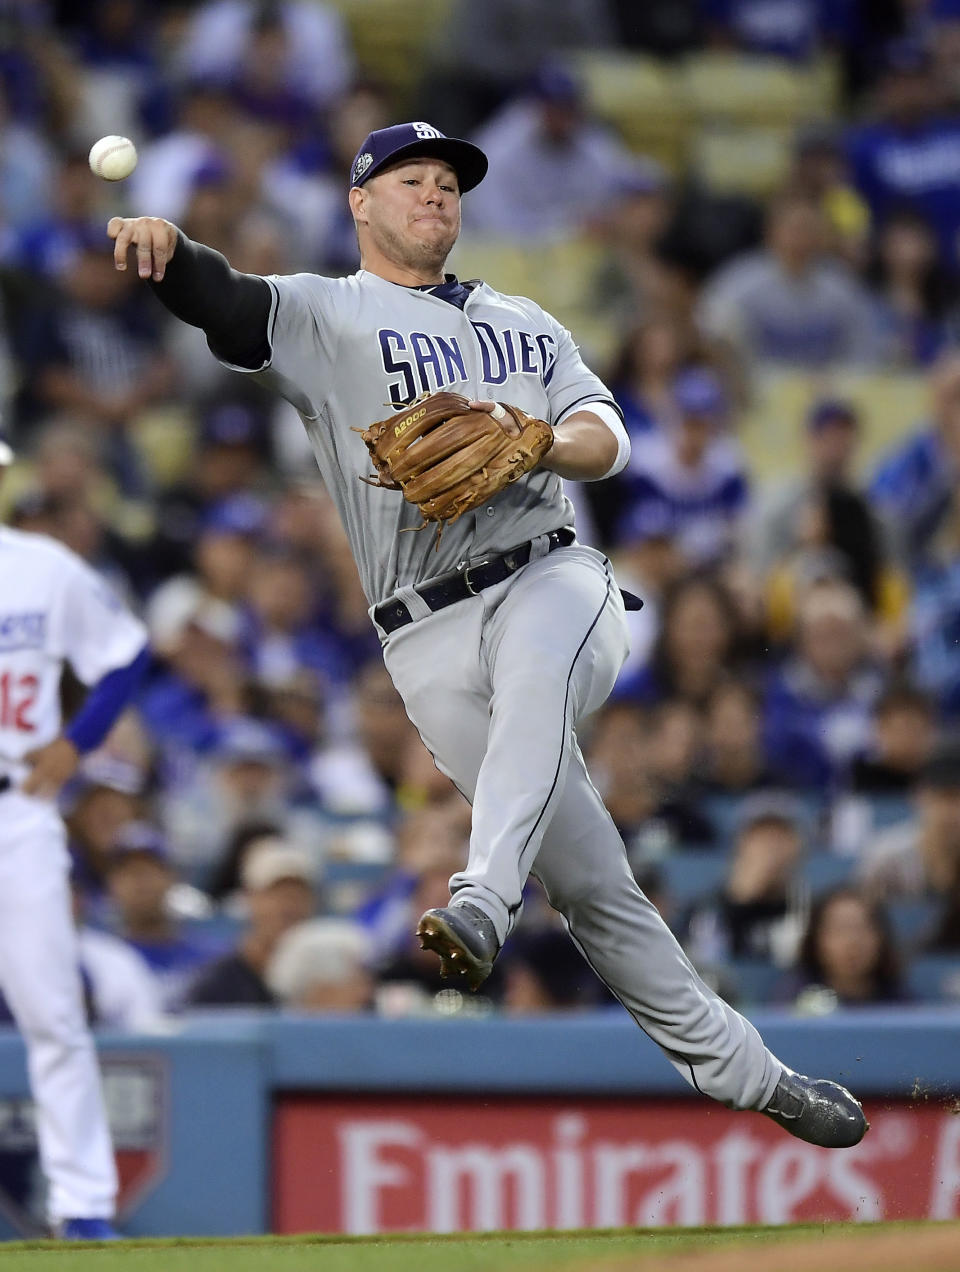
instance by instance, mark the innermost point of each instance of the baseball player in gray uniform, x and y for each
(505, 633)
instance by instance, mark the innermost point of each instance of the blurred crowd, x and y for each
(780, 752)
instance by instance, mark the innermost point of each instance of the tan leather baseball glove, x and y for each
(448, 458)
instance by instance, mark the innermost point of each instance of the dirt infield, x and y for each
(933, 1249)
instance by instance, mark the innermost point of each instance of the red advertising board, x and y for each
(371, 1164)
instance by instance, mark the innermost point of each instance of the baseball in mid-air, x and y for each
(113, 158)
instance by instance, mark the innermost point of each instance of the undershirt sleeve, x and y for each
(201, 288)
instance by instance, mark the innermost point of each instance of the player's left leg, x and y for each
(583, 867)
(553, 646)
(39, 975)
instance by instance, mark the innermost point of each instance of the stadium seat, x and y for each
(822, 871)
(392, 39)
(753, 979)
(912, 919)
(561, 274)
(346, 885)
(757, 90)
(643, 98)
(935, 978)
(691, 874)
(741, 159)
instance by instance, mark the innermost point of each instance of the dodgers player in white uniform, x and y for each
(509, 632)
(55, 609)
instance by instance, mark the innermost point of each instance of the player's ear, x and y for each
(357, 199)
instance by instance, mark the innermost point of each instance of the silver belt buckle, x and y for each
(466, 578)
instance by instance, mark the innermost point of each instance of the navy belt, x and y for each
(5, 783)
(459, 584)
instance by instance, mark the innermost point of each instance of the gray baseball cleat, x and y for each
(817, 1110)
(464, 938)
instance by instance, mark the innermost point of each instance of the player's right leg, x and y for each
(40, 978)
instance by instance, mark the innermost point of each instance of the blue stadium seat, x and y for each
(824, 870)
(690, 874)
(935, 978)
(889, 810)
(754, 979)
(346, 885)
(912, 918)
(218, 929)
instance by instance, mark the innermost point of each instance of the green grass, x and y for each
(499, 1252)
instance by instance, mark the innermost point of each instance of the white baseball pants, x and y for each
(40, 978)
(496, 685)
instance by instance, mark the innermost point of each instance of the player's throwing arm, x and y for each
(153, 239)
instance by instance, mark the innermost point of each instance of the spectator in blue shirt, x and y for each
(911, 155)
(689, 474)
(139, 881)
(913, 487)
(818, 706)
(793, 29)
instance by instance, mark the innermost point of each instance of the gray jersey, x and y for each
(349, 351)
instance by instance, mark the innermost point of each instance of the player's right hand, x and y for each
(154, 239)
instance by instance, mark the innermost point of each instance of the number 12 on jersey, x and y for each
(17, 697)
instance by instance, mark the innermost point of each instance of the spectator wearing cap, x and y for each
(689, 475)
(320, 967)
(245, 776)
(914, 486)
(787, 304)
(232, 448)
(818, 704)
(201, 680)
(278, 887)
(921, 857)
(195, 623)
(758, 911)
(649, 563)
(140, 881)
(106, 793)
(533, 144)
(819, 525)
(910, 155)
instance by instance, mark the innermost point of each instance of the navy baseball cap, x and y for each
(418, 139)
(241, 515)
(245, 740)
(138, 837)
(831, 411)
(698, 391)
(233, 424)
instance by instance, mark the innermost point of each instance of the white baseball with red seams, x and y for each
(113, 158)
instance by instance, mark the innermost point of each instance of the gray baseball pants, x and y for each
(496, 685)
